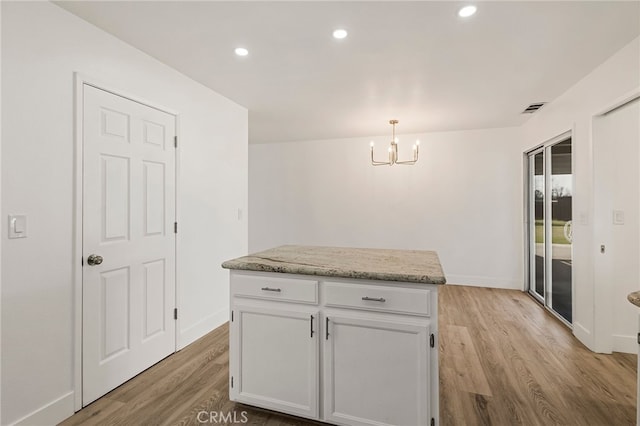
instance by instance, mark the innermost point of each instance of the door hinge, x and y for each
(433, 421)
(175, 227)
(231, 381)
(82, 261)
(231, 316)
(175, 313)
(175, 141)
(432, 340)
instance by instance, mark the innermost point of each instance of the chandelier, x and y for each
(393, 150)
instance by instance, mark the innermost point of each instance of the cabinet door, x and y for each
(275, 355)
(376, 372)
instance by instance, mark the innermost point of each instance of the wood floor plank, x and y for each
(467, 373)
(504, 360)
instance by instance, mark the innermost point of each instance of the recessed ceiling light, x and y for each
(340, 33)
(467, 11)
(241, 51)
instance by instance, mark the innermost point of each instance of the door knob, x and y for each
(94, 259)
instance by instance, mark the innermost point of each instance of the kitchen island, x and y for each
(342, 335)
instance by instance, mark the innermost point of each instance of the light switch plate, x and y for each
(17, 226)
(618, 217)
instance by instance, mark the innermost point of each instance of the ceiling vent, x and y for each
(533, 108)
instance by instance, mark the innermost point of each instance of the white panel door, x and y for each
(128, 214)
(278, 357)
(376, 372)
(616, 153)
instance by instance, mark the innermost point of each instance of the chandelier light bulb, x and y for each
(371, 144)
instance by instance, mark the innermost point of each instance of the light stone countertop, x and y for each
(634, 298)
(414, 266)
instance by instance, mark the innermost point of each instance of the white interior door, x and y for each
(616, 152)
(128, 216)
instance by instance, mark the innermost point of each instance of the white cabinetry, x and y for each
(277, 359)
(376, 372)
(379, 363)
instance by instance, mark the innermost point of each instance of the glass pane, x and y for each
(561, 215)
(538, 216)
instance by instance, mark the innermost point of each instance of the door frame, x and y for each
(79, 81)
(530, 226)
(543, 147)
(602, 333)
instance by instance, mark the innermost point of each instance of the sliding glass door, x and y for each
(536, 222)
(549, 201)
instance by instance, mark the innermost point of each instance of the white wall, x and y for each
(42, 45)
(462, 199)
(574, 110)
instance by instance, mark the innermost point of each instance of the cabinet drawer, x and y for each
(377, 298)
(275, 288)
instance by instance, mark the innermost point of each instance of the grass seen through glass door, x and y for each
(557, 232)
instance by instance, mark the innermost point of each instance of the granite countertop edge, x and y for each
(634, 298)
(258, 263)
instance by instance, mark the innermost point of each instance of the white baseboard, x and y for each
(625, 344)
(202, 327)
(50, 414)
(491, 282)
(583, 335)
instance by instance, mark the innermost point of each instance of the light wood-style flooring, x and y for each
(504, 360)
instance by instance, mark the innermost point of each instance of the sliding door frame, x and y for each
(531, 225)
(545, 148)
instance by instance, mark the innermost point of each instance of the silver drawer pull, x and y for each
(271, 289)
(375, 299)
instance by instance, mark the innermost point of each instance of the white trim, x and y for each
(1, 227)
(603, 338)
(202, 327)
(625, 344)
(583, 335)
(526, 224)
(107, 88)
(77, 242)
(545, 148)
(617, 103)
(177, 241)
(554, 140)
(51, 413)
(80, 80)
(489, 282)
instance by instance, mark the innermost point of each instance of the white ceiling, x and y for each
(416, 61)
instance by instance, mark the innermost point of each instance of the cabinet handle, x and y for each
(311, 326)
(375, 299)
(270, 289)
(326, 328)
